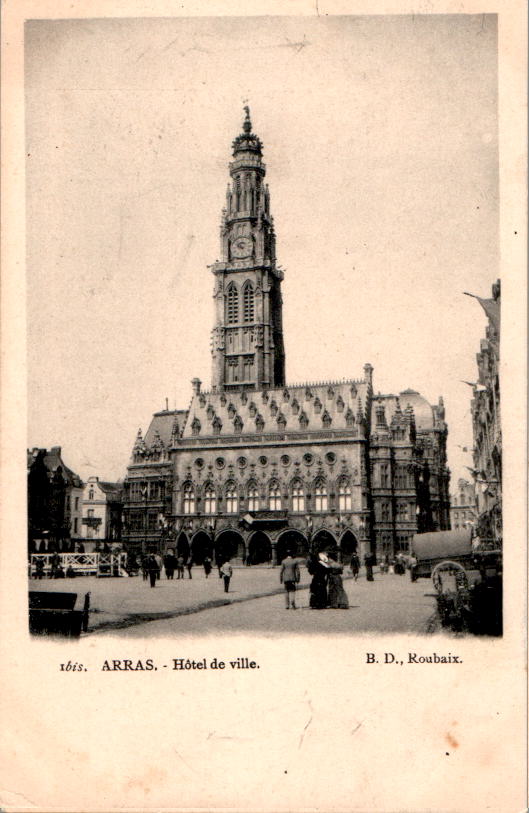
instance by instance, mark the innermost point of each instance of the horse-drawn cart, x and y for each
(467, 578)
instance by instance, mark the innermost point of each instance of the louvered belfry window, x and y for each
(248, 303)
(232, 305)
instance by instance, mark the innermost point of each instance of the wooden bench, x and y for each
(53, 613)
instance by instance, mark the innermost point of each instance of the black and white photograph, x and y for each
(263, 357)
(263, 331)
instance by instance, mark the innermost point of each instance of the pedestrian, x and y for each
(39, 566)
(318, 569)
(55, 562)
(337, 596)
(180, 567)
(189, 565)
(159, 562)
(168, 563)
(413, 563)
(227, 572)
(369, 561)
(355, 566)
(289, 577)
(144, 572)
(153, 570)
(207, 566)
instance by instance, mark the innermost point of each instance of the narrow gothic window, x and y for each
(326, 419)
(303, 421)
(320, 494)
(248, 369)
(339, 404)
(274, 497)
(232, 503)
(295, 406)
(217, 425)
(195, 426)
(298, 498)
(344, 496)
(317, 405)
(210, 500)
(385, 512)
(248, 302)
(281, 421)
(238, 424)
(384, 475)
(349, 417)
(232, 305)
(189, 499)
(259, 423)
(233, 371)
(273, 408)
(253, 498)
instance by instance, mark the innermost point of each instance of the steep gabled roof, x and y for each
(163, 424)
(293, 408)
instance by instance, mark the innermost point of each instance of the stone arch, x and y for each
(323, 540)
(182, 546)
(259, 549)
(201, 546)
(348, 544)
(292, 540)
(229, 544)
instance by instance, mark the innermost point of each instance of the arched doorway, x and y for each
(201, 546)
(182, 546)
(259, 549)
(324, 541)
(229, 545)
(292, 541)
(348, 545)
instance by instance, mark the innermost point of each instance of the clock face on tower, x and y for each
(241, 247)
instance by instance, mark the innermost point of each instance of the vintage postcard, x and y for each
(263, 439)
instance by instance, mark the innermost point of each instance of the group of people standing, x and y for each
(153, 564)
(326, 587)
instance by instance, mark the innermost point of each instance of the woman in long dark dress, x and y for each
(318, 569)
(337, 596)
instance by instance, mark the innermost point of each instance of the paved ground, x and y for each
(389, 604)
(256, 602)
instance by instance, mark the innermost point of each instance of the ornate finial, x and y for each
(247, 126)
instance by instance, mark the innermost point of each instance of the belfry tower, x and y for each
(247, 339)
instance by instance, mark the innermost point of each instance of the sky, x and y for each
(380, 140)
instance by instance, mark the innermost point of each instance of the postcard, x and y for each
(264, 415)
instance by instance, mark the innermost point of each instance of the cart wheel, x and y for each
(450, 569)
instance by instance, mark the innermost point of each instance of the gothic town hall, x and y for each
(255, 466)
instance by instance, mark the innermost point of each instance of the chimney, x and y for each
(196, 383)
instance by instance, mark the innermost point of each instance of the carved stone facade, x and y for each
(486, 425)
(255, 467)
